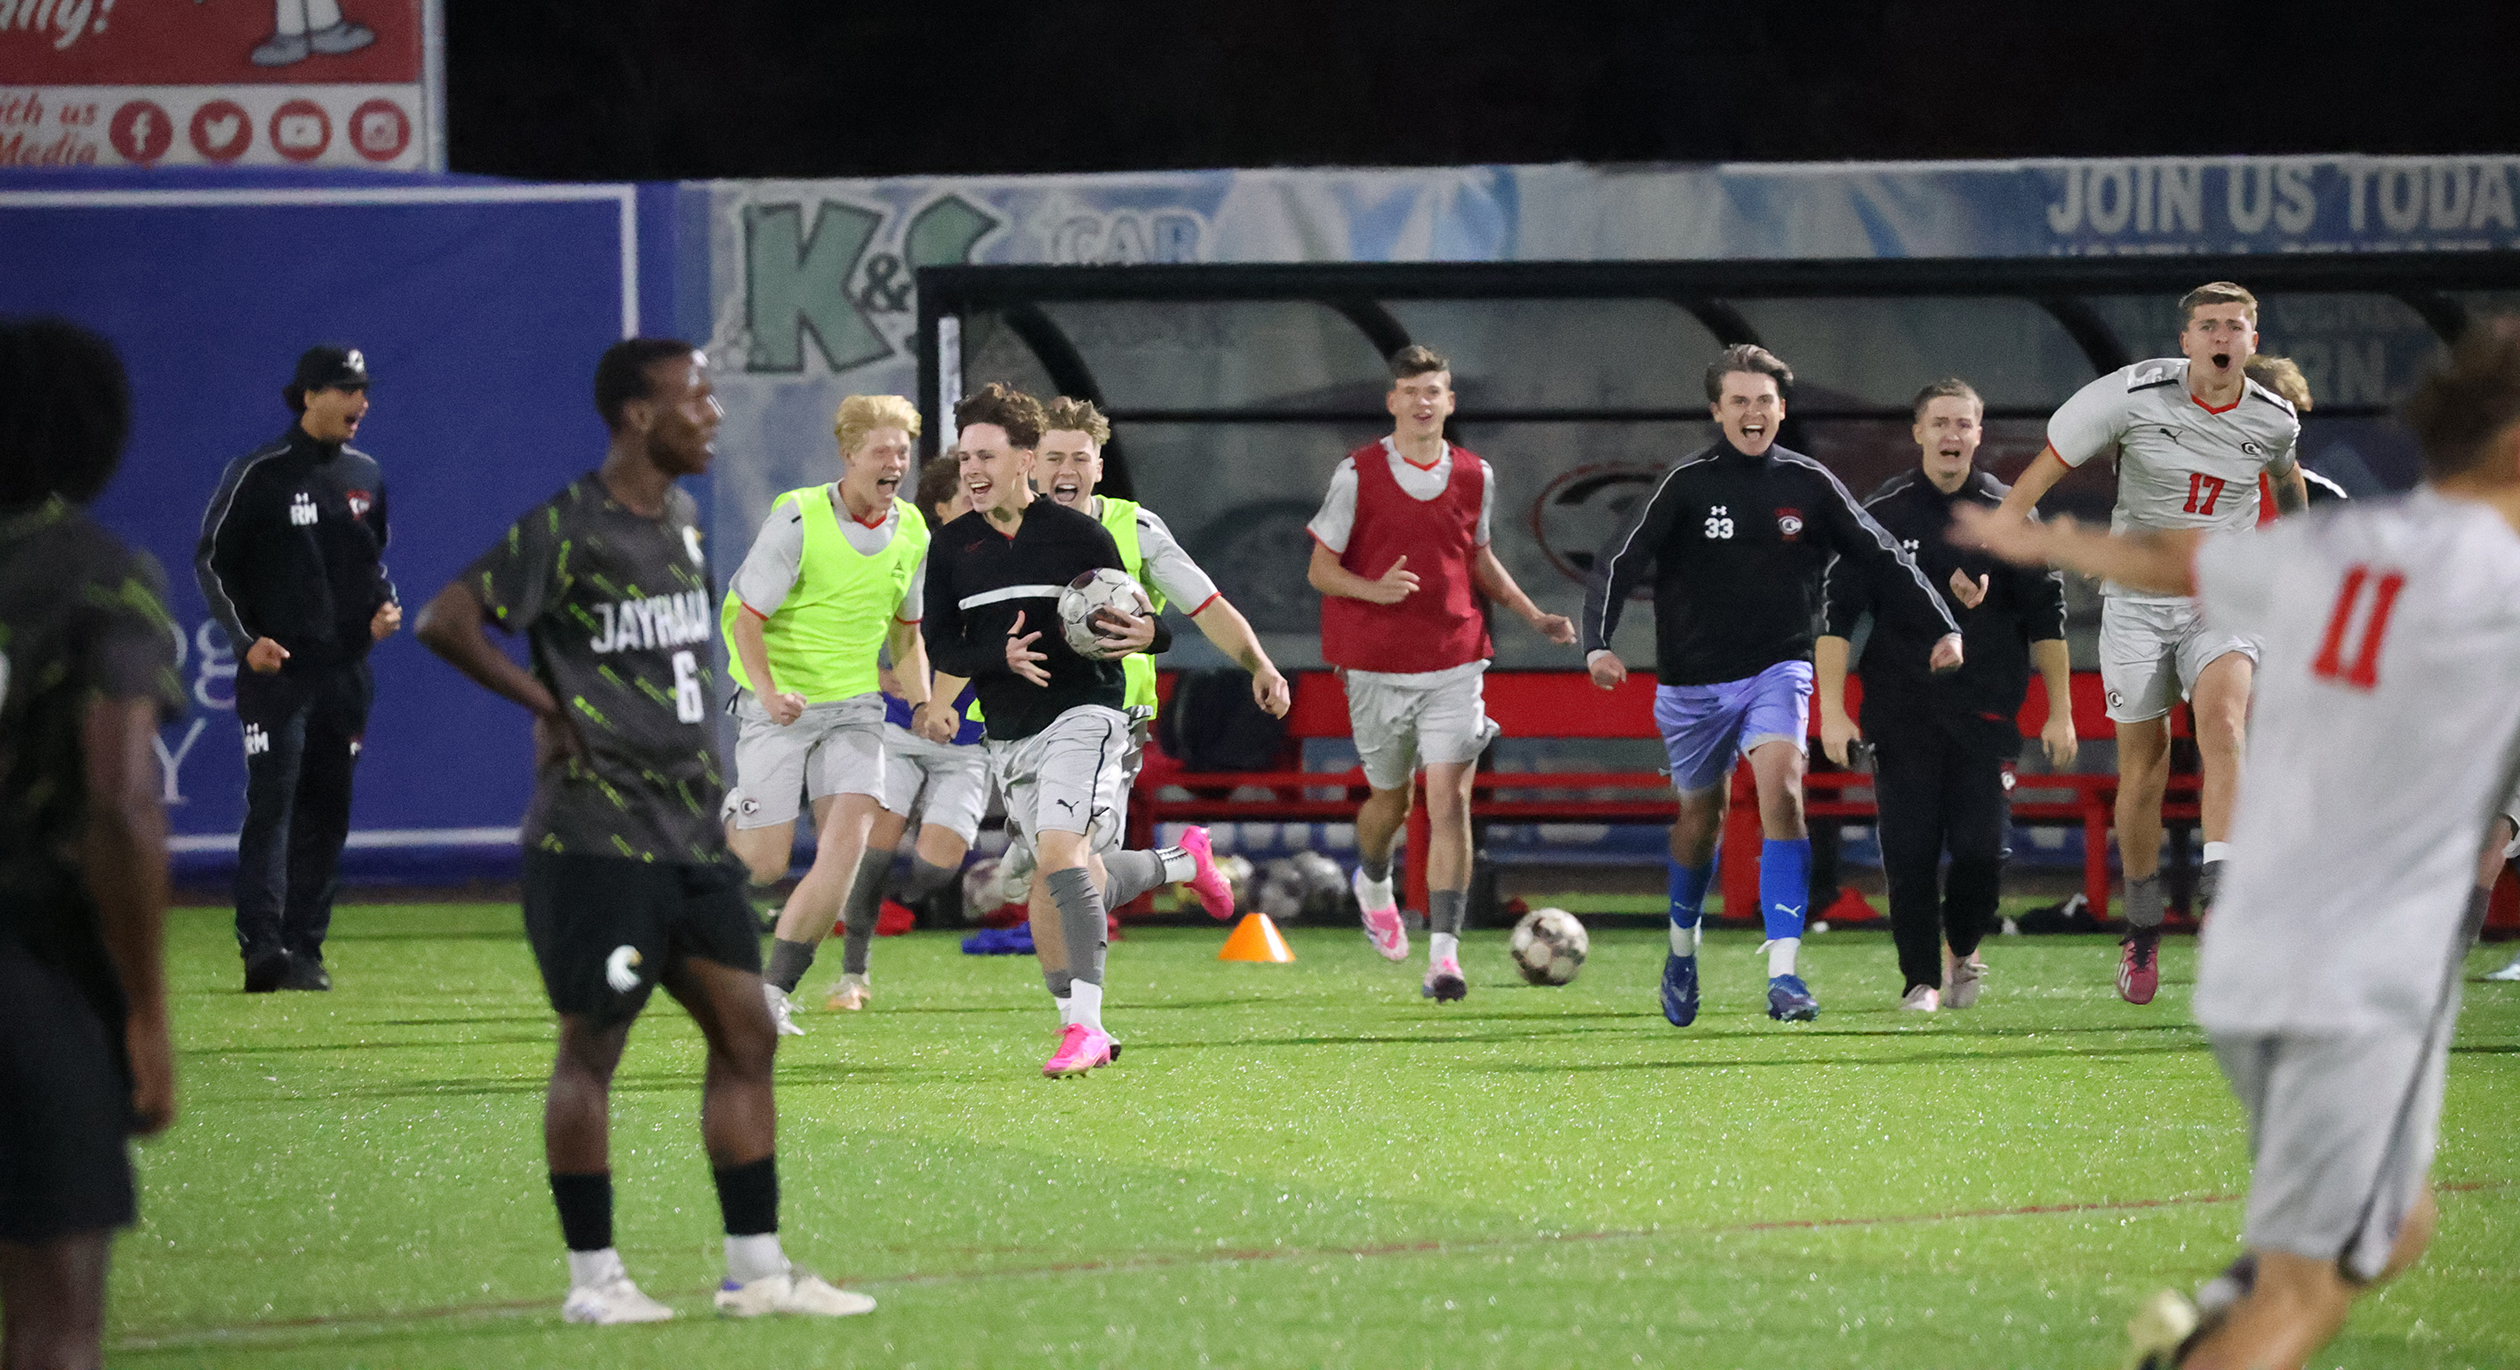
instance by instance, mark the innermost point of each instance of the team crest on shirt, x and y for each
(360, 502)
(1789, 524)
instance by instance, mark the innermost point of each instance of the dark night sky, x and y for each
(658, 89)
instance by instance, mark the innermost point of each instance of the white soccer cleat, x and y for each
(2509, 972)
(1922, 999)
(782, 1013)
(1961, 979)
(2158, 1329)
(616, 1300)
(793, 1292)
(850, 995)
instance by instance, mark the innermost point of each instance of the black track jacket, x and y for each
(292, 547)
(1736, 546)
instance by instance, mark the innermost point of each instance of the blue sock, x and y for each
(1688, 894)
(1784, 886)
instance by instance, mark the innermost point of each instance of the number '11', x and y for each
(2364, 671)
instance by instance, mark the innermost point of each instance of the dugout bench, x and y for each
(1565, 704)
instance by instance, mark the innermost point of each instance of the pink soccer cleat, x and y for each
(2139, 966)
(1081, 1049)
(1383, 926)
(1215, 895)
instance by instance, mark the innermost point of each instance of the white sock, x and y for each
(1374, 894)
(754, 1258)
(1088, 1004)
(1179, 865)
(1442, 947)
(1781, 956)
(1067, 1007)
(1684, 941)
(588, 1269)
(2217, 851)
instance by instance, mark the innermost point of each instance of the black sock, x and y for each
(748, 1197)
(1376, 868)
(585, 1203)
(925, 880)
(788, 963)
(865, 904)
(1080, 922)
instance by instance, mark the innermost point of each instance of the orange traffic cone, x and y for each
(1255, 939)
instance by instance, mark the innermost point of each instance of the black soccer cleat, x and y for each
(266, 972)
(306, 974)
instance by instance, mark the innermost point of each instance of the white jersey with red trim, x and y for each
(2180, 464)
(2384, 735)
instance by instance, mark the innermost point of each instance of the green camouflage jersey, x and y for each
(82, 618)
(620, 612)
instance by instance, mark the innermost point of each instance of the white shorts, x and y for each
(1399, 728)
(953, 781)
(2151, 653)
(1067, 778)
(833, 748)
(2341, 1137)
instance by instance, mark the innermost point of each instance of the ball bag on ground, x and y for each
(1091, 593)
(1548, 946)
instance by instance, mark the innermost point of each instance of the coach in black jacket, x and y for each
(290, 561)
(1943, 742)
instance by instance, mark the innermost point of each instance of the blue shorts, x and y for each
(1705, 726)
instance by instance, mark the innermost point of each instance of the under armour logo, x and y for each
(256, 740)
(620, 969)
(301, 509)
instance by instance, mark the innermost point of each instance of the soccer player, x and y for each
(945, 785)
(86, 676)
(2387, 731)
(834, 577)
(1944, 744)
(2192, 433)
(628, 882)
(1736, 538)
(1400, 556)
(1057, 738)
(1071, 465)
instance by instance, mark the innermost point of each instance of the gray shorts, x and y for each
(943, 784)
(1399, 728)
(2151, 654)
(1067, 778)
(2341, 1137)
(834, 748)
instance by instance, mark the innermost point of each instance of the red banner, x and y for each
(214, 82)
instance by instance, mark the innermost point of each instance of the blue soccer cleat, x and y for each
(1680, 989)
(1791, 1001)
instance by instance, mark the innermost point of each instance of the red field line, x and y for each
(1255, 1255)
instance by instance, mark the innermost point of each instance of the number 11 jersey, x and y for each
(2180, 464)
(620, 613)
(2384, 735)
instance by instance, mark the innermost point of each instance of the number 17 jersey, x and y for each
(2384, 735)
(2180, 464)
(620, 613)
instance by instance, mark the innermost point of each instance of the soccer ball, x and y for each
(1549, 946)
(1091, 593)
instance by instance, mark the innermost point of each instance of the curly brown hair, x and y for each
(1069, 415)
(1007, 407)
(2471, 402)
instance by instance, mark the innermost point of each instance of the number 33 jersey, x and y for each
(2180, 464)
(2384, 736)
(620, 613)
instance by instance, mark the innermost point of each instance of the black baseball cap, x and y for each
(330, 366)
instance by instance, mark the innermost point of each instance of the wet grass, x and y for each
(1293, 1165)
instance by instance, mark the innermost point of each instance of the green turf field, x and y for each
(1294, 1165)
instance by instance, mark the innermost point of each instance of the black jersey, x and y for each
(82, 618)
(291, 550)
(979, 579)
(620, 613)
(1735, 546)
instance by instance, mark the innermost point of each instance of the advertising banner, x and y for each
(149, 83)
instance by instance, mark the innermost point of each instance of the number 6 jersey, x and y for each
(620, 613)
(2385, 733)
(2180, 464)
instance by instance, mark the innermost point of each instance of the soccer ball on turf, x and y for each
(1091, 593)
(1549, 946)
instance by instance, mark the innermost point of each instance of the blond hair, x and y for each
(863, 414)
(1069, 415)
(2283, 376)
(2216, 292)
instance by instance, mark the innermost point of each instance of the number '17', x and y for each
(2204, 492)
(2363, 672)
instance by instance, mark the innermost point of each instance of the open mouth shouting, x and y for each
(1754, 429)
(2222, 361)
(1068, 488)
